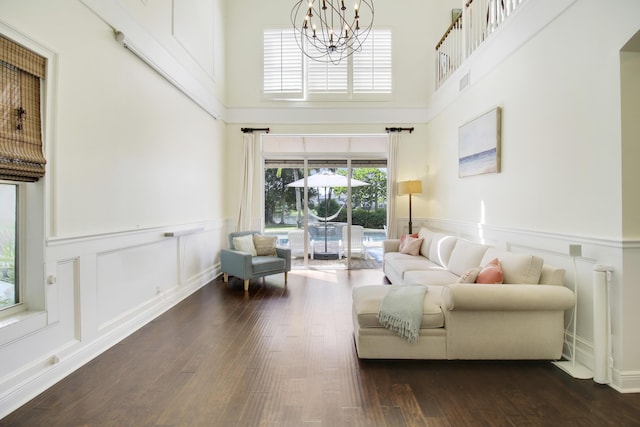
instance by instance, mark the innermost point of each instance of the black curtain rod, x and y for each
(247, 130)
(398, 129)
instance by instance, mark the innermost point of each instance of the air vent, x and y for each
(464, 82)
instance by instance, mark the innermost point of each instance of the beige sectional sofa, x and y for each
(523, 318)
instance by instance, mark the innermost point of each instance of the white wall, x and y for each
(630, 105)
(630, 90)
(130, 158)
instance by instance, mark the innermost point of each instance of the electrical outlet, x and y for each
(575, 250)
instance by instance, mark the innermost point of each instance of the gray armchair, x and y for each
(245, 266)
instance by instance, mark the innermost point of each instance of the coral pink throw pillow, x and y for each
(403, 237)
(410, 246)
(491, 273)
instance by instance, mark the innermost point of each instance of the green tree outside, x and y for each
(282, 201)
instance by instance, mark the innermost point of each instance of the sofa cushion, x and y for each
(367, 299)
(491, 273)
(427, 236)
(264, 264)
(435, 276)
(517, 268)
(552, 275)
(410, 246)
(465, 255)
(441, 248)
(404, 262)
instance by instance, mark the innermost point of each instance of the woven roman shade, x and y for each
(21, 154)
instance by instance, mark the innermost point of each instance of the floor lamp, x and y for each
(409, 187)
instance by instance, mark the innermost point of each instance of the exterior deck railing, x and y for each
(468, 30)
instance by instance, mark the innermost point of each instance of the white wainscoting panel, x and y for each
(197, 254)
(131, 277)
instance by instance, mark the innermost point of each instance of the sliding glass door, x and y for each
(334, 216)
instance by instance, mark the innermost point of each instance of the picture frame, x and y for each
(479, 144)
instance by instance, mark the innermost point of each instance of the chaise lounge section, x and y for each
(520, 318)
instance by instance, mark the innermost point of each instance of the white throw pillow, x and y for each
(245, 244)
(518, 268)
(470, 275)
(464, 256)
(426, 235)
(441, 248)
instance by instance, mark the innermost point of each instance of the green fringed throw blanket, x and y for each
(401, 310)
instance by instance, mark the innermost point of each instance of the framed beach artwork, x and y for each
(479, 145)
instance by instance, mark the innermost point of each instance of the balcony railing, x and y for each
(476, 22)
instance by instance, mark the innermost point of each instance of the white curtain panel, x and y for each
(392, 187)
(246, 197)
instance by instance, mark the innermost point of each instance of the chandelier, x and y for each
(327, 32)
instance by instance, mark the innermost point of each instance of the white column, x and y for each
(601, 323)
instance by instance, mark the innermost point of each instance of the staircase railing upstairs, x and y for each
(469, 29)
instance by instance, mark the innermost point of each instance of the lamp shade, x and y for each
(409, 187)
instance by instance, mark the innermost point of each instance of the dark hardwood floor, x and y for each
(285, 357)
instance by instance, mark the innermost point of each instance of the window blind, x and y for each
(372, 65)
(287, 73)
(327, 77)
(325, 163)
(21, 153)
(282, 65)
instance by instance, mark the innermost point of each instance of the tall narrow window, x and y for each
(282, 65)
(372, 65)
(9, 290)
(22, 162)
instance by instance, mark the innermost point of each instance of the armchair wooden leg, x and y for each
(246, 284)
(225, 277)
(286, 275)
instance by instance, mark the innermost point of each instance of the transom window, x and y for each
(289, 75)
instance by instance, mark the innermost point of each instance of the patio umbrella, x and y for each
(327, 180)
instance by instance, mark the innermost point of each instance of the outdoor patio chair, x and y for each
(296, 244)
(358, 247)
